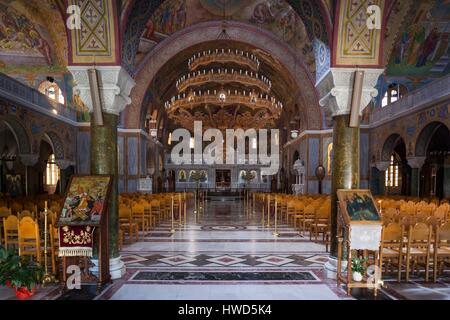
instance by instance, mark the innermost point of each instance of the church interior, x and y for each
(224, 150)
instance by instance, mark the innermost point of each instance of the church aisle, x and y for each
(223, 257)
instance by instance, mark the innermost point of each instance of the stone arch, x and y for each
(239, 32)
(425, 136)
(56, 144)
(389, 145)
(20, 133)
(314, 14)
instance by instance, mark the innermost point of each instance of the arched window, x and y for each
(52, 90)
(394, 93)
(51, 176)
(391, 178)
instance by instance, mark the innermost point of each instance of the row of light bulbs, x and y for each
(225, 71)
(222, 96)
(223, 52)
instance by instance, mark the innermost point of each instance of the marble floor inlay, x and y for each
(224, 255)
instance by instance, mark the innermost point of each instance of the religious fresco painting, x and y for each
(37, 41)
(358, 205)
(14, 184)
(273, 15)
(423, 47)
(85, 200)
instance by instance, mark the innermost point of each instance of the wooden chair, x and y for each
(290, 210)
(29, 241)
(321, 224)
(155, 210)
(25, 213)
(16, 207)
(391, 247)
(128, 224)
(138, 213)
(4, 213)
(441, 248)
(10, 225)
(419, 240)
(309, 214)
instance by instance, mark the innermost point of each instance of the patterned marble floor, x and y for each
(225, 255)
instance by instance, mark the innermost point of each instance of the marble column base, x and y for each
(330, 267)
(117, 268)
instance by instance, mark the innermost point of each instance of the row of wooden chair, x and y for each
(141, 213)
(407, 247)
(25, 235)
(307, 214)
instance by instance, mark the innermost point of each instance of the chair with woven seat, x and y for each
(155, 210)
(4, 213)
(441, 249)
(138, 214)
(25, 213)
(391, 247)
(10, 225)
(418, 247)
(128, 224)
(29, 240)
(308, 217)
(321, 224)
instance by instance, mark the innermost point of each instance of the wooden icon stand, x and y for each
(100, 236)
(363, 219)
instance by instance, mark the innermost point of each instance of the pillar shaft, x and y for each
(345, 167)
(415, 182)
(104, 161)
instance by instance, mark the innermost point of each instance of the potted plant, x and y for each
(20, 273)
(358, 268)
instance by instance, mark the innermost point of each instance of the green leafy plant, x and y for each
(358, 265)
(19, 272)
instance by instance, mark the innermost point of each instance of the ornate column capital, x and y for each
(64, 164)
(416, 162)
(29, 160)
(336, 89)
(381, 165)
(115, 87)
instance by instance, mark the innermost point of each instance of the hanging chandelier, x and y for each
(223, 76)
(227, 85)
(223, 56)
(224, 97)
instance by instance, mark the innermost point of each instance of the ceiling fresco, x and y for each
(273, 15)
(32, 36)
(422, 48)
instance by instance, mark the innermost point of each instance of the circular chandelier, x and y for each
(223, 97)
(224, 56)
(224, 76)
(227, 80)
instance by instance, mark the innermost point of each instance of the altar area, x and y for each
(219, 178)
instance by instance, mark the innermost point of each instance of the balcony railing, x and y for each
(22, 94)
(433, 92)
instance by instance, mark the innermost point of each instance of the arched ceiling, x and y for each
(283, 87)
(292, 83)
(296, 22)
(32, 36)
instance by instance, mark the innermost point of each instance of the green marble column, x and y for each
(345, 167)
(104, 161)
